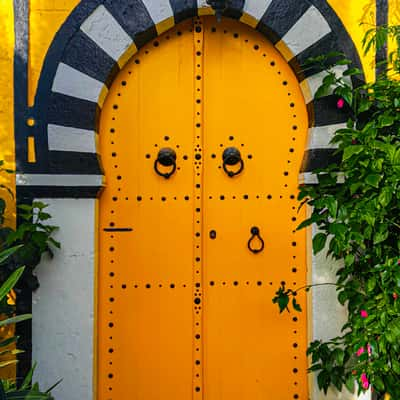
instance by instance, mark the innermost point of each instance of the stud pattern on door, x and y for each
(192, 245)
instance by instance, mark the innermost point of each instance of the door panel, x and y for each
(257, 107)
(184, 307)
(145, 283)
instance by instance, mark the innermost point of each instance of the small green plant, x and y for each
(356, 207)
(22, 246)
(34, 238)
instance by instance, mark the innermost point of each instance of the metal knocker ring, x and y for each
(255, 233)
(232, 156)
(167, 158)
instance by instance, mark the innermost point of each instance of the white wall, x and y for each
(63, 306)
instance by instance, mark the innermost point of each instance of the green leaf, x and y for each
(381, 235)
(350, 384)
(371, 283)
(385, 120)
(378, 384)
(8, 341)
(8, 253)
(385, 196)
(373, 180)
(319, 241)
(283, 302)
(28, 379)
(296, 305)
(332, 205)
(16, 319)
(351, 150)
(352, 71)
(10, 282)
(364, 105)
(339, 356)
(392, 332)
(6, 364)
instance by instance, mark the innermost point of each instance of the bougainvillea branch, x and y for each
(358, 222)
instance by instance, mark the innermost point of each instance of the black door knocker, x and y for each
(255, 233)
(167, 158)
(231, 156)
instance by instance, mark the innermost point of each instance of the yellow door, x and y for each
(201, 140)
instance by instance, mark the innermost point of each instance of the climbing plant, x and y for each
(356, 207)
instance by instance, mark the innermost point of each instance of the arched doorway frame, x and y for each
(100, 36)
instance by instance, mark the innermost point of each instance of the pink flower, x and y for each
(395, 296)
(363, 314)
(340, 103)
(398, 262)
(364, 381)
(353, 141)
(360, 351)
(369, 349)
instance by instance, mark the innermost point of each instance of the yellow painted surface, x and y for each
(357, 17)
(394, 19)
(216, 89)
(45, 19)
(7, 148)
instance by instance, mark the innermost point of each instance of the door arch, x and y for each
(185, 306)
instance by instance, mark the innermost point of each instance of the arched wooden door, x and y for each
(185, 287)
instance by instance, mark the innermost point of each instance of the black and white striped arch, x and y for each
(99, 38)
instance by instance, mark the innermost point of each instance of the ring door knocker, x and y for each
(231, 156)
(255, 233)
(167, 158)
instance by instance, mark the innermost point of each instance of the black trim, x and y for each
(326, 111)
(235, 9)
(320, 158)
(57, 192)
(183, 9)
(71, 162)
(280, 16)
(70, 111)
(344, 40)
(134, 18)
(325, 45)
(84, 55)
(382, 15)
(54, 54)
(117, 229)
(22, 131)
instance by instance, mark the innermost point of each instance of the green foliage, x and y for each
(23, 246)
(27, 390)
(33, 237)
(356, 208)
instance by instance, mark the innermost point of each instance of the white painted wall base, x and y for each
(328, 315)
(63, 306)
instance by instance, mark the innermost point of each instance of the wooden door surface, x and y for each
(201, 139)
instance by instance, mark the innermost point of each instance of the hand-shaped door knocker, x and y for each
(231, 156)
(255, 233)
(167, 158)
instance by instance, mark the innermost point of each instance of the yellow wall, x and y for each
(45, 18)
(357, 17)
(6, 102)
